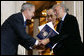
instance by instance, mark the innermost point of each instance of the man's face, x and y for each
(50, 15)
(57, 11)
(30, 12)
(49, 18)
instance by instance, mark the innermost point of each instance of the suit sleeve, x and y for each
(18, 28)
(71, 30)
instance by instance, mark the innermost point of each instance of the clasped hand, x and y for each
(44, 41)
(41, 44)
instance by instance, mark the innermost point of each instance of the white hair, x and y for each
(25, 6)
(62, 6)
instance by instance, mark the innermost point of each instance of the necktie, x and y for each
(25, 24)
(59, 26)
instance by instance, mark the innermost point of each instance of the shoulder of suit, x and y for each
(71, 17)
(16, 14)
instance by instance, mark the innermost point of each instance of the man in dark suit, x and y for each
(13, 31)
(69, 39)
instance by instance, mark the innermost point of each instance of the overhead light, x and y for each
(58, 2)
(32, 20)
(44, 12)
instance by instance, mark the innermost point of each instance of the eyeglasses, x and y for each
(52, 16)
(54, 10)
(49, 16)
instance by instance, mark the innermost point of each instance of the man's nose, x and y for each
(50, 18)
(33, 14)
(55, 13)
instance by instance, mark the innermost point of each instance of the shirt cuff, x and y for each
(30, 47)
(36, 43)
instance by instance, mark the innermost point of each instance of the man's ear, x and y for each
(63, 8)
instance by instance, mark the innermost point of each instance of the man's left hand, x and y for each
(45, 41)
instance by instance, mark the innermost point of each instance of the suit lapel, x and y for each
(21, 17)
(61, 24)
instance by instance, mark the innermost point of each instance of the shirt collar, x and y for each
(24, 17)
(64, 17)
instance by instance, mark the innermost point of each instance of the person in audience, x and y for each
(52, 18)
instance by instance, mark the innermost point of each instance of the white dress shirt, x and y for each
(64, 17)
(36, 43)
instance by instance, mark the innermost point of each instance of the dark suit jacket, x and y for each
(13, 33)
(69, 40)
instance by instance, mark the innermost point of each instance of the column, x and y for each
(76, 9)
(79, 15)
(36, 24)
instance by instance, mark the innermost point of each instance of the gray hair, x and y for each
(62, 6)
(25, 6)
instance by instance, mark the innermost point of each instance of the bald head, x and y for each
(50, 11)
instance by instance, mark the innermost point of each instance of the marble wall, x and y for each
(7, 8)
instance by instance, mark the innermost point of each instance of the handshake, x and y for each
(41, 44)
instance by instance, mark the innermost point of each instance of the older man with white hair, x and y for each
(68, 42)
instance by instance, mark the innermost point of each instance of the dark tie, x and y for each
(59, 26)
(25, 24)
